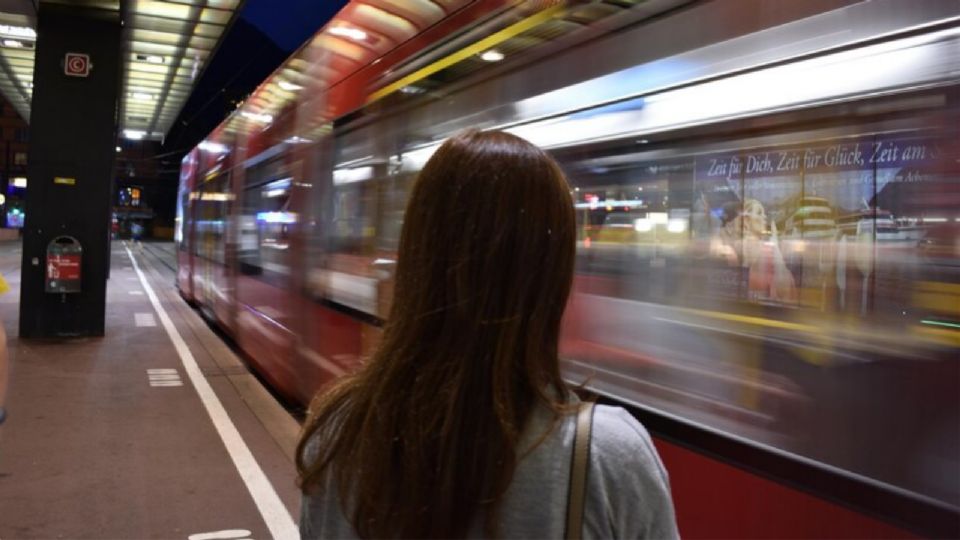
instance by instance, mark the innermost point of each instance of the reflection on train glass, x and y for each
(768, 318)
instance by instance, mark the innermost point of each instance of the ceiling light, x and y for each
(262, 118)
(151, 58)
(289, 86)
(142, 96)
(348, 176)
(345, 31)
(18, 31)
(212, 147)
(134, 134)
(118, 149)
(12, 43)
(492, 55)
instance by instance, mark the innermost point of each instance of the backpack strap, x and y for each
(578, 471)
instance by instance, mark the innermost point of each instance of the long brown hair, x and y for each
(425, 435)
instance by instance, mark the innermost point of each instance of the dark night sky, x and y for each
(263, 36)
(290, 22)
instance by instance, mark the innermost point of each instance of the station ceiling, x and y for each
(166, 45)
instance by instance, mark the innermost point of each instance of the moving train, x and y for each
(799, 373)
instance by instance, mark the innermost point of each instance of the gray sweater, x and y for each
(628, 492)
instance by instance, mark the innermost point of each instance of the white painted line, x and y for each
(135, 293)
(177, 382)
(165, 377)
(274, 513)
(144, 319)
(230, 534)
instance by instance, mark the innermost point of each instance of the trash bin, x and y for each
(64, 255)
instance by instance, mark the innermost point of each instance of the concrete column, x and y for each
(73, 124)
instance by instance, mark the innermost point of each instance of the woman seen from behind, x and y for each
(461, 425)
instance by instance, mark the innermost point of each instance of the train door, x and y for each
(337, 290)
(265, 226)
(215, 199)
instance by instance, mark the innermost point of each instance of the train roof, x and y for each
(364, 34)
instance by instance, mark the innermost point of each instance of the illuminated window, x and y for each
(20, 158)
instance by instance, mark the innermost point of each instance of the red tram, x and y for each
(768, 197)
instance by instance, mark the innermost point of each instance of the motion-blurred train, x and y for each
(768, 202)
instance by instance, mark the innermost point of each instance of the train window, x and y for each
(622, 201)
(181, 234)
(266, 222)
(753, 282)
(352, 227)
(394, 194)
(212, 214)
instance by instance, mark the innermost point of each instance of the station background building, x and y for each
(14, 143)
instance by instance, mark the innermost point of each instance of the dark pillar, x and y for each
(72, 139)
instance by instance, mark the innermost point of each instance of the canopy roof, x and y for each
(166, 45)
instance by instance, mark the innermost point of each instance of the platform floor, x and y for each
(157, 430)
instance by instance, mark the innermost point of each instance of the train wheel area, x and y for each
(156, 430)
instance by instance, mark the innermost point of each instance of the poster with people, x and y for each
(817, 225)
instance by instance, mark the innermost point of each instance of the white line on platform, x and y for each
(144, 319)
(164, 377)
(274, 513)
(177, 382)
(229, 534)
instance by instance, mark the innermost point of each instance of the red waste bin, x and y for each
(64, 255)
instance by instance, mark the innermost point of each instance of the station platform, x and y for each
(157, 430)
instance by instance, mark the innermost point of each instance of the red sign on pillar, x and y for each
(77, 64)
(64, 256)
(63, 267)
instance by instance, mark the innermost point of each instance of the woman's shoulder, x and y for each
(620, 441)
(630, 485)
(618, 426)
